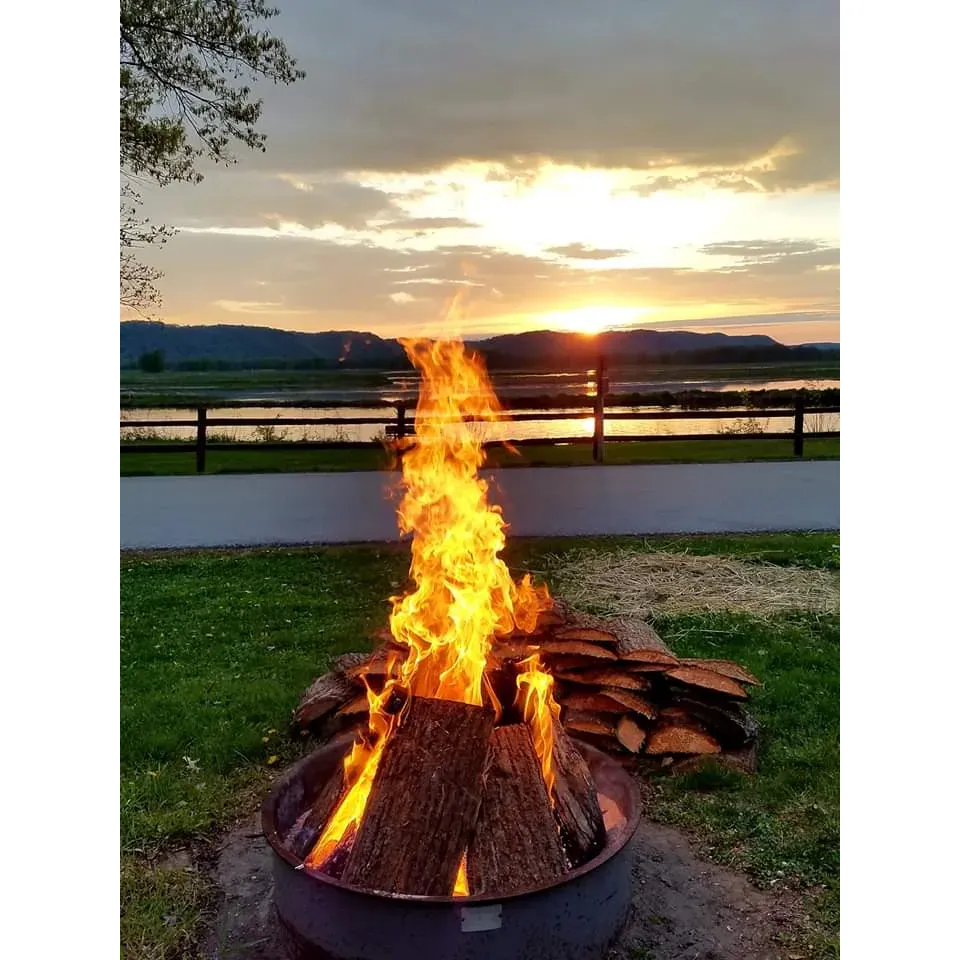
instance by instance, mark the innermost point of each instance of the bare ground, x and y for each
(684, 908)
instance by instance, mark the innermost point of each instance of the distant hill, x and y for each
(246, 346)
(242, 345)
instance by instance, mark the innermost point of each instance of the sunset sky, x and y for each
(569, 165)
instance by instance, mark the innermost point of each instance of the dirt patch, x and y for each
(683, 907)
(628, 583)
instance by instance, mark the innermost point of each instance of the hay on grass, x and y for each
(628, 583)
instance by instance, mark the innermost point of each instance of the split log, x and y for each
(512, 650)
(591, 702)
(306, 831)
(579, 721)
(604, 677)
(577, 808)
(424, 800)
(557, 615)
(325, 695)
(563, 662)
(678, 738)
(707, 680)
(631, 701)
(347, 662)
(631, 734)
(577, 647)
(726, 668)
(516, 843)
(638, 641)
(586, 635)
(359, 704)
(729, 723)
(643, 666)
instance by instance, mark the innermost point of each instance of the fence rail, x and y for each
(399, 428)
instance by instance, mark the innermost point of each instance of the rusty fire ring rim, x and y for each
(623, 835)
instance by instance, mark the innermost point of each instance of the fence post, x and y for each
(401, 431)
(201, 439)
(798, 423)
(598, 409)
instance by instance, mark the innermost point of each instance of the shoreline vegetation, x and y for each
(298, 458)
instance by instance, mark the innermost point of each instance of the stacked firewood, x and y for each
(618, 685)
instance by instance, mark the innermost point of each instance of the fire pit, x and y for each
(323, 918)
(462, 820)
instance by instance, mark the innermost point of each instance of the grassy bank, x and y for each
(724, 450)
(216, 647)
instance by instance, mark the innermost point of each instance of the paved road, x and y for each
(206, 511)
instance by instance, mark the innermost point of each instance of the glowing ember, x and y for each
(535, 687)
(464, 595)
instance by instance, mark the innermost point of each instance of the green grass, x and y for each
(217, 646)
(724, 450)
(783, 824)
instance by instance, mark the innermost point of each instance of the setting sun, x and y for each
(593, 320)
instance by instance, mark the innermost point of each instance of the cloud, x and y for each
(615, 83)
(579, 251)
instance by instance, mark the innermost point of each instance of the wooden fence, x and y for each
(399, 428)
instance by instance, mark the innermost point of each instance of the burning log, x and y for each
(516, 843)
(306, 831)
(577, 808)
(424, 801)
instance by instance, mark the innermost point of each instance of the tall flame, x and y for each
(540, 710)
(464, 594)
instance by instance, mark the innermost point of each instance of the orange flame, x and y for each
(461, 887)
(535, 688)
(464, 594)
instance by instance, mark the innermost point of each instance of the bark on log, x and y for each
(306, 831)
(637, 640)
(591, 702)
(577, 808)
(516, 843)
(424, 800)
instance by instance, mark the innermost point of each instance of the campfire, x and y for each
(476, 737)
(462, 780)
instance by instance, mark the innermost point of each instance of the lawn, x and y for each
(293, 460)
(216, 648)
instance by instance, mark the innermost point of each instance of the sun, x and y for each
(591, 320)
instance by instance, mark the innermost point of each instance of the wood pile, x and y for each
(619, 686)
